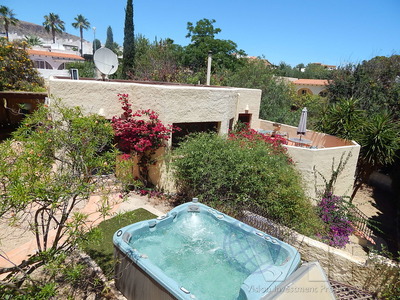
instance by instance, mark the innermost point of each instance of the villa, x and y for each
(52, 63)
(311, 87)
(198, 108)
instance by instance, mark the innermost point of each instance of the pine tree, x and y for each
(110, 39)
(129, 42)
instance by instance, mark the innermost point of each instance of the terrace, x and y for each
(316, 155)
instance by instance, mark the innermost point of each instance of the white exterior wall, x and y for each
(61, 43)
(315, 89)
(173, 103)
(311, 162)
(183, 103)
(46, 73)
(251, 99)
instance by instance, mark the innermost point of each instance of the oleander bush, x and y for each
(240, 171)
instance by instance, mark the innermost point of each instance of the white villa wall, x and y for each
(173, 103)
(46, 73)
(326, 150)
(312, 163)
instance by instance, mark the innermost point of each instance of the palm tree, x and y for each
(54, 24)
(380, 141)
(33, 40)
(81, 23)
(8, 18)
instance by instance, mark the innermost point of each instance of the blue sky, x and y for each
(332, 32)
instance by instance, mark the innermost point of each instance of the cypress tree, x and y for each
(129, 42)
(110, 39)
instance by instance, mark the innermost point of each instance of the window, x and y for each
(244, 118)
(41, 64)
(187, 128)
(304, 91)
(323, 93)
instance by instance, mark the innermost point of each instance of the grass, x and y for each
(99, 245)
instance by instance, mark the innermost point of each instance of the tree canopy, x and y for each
(52, 23)
(82, 23)
(110, 38)
(8, 18)
(17, 71)
(128, 61)
(376, 83)
(225, 54)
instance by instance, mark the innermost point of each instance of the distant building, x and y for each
(64, 41)
(328, 67)
(311, 86)
(51, 63)
(265, 61)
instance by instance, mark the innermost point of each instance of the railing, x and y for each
(260, 219)
(360, 222)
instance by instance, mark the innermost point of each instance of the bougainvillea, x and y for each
(248, 134)
(140, 133)
(334, 214)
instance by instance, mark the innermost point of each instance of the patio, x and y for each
(316, 155)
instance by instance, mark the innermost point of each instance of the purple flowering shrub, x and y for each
(333, 211)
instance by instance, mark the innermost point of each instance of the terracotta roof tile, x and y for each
(55, 54)
(311, 81)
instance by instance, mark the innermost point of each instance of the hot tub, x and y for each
(196, 252)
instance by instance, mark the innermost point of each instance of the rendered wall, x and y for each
(173, 103)
(315, 89)
(324, 152)
(184, 103)
(312, 163)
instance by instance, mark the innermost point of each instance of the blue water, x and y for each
(206, 256)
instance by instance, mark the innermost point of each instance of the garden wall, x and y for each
(370, 273)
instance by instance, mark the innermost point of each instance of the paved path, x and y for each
(22, 244)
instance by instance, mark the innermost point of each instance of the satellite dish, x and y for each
(106, 61)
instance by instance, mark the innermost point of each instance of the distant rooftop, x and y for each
(320, 82)
(55, 54)
(329, 67)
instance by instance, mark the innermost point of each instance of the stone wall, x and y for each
(347, 266)
(370, 273)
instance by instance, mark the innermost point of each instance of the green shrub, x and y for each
(236, 172)
(86, 69)
(17, 71)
